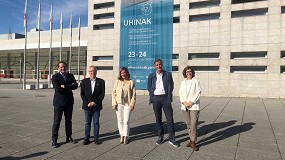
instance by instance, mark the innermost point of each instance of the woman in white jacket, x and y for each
(123, 102)
(189, 94)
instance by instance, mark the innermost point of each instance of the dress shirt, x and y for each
(93, 81)
(63, 75)
(159, 88)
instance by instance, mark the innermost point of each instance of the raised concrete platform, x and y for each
(43, 85)
(229, 128)
(30, 86)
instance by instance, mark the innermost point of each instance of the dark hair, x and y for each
(62, 62)
(187, 68)
(127, 73)
(158, 60)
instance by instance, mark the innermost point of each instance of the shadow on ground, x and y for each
(140, 132)
(24, 157)
(226, 133)
(230, 130)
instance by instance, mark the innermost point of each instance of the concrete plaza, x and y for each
(229, 128)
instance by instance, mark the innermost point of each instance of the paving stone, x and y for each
(253, 154)
(228, 128)
(206, 156)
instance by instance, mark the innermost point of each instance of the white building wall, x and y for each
(224, 36)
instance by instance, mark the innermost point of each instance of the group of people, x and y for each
(160, 87)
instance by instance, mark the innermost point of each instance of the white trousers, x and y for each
(123, 115)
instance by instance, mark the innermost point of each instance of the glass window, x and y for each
(204, 17)
(282, 54)
(248, 69)
(102, 58)
(248, 55)
(203, 56)
(205, 68)
(175, 56)
(204, 4)
(174, 68)
(103, 26)
(283, 9)
(244, 1)
(176, 7)
(104, 5)
(103, 16)
(250, 12)
(282, 69)
(105, 68)
(176, 19)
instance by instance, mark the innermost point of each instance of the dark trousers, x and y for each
(96, 124)
(159, 103)
(58, 112)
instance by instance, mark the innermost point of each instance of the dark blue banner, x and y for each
(146, 34)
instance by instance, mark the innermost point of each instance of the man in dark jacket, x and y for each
(92, 95)
(160, 87)
(63, 84)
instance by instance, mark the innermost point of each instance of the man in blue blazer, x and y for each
(63, 84)
(160, 87)
(92, 94)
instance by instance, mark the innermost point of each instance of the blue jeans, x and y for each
(96, 124)
(159, 103)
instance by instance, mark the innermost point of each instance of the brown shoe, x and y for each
(125, 139)
(189, 144)
(194, 146)
(122, 140)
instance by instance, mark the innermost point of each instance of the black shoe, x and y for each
(159, 141)
(173, 143)
(69, 139)
(86, 142)
(54, 144)
(96, 142)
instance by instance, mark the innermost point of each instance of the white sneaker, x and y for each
(174, 143)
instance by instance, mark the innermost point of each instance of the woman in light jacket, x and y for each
(123, 102)
(189, 94)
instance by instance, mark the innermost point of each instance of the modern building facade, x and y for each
(12, 52)
(237, 47)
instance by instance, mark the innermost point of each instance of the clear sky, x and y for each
(12, 14)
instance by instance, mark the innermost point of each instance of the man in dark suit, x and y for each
(92, 95)
(160, 87)
(63, 84)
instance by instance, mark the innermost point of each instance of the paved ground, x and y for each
(229, 128)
